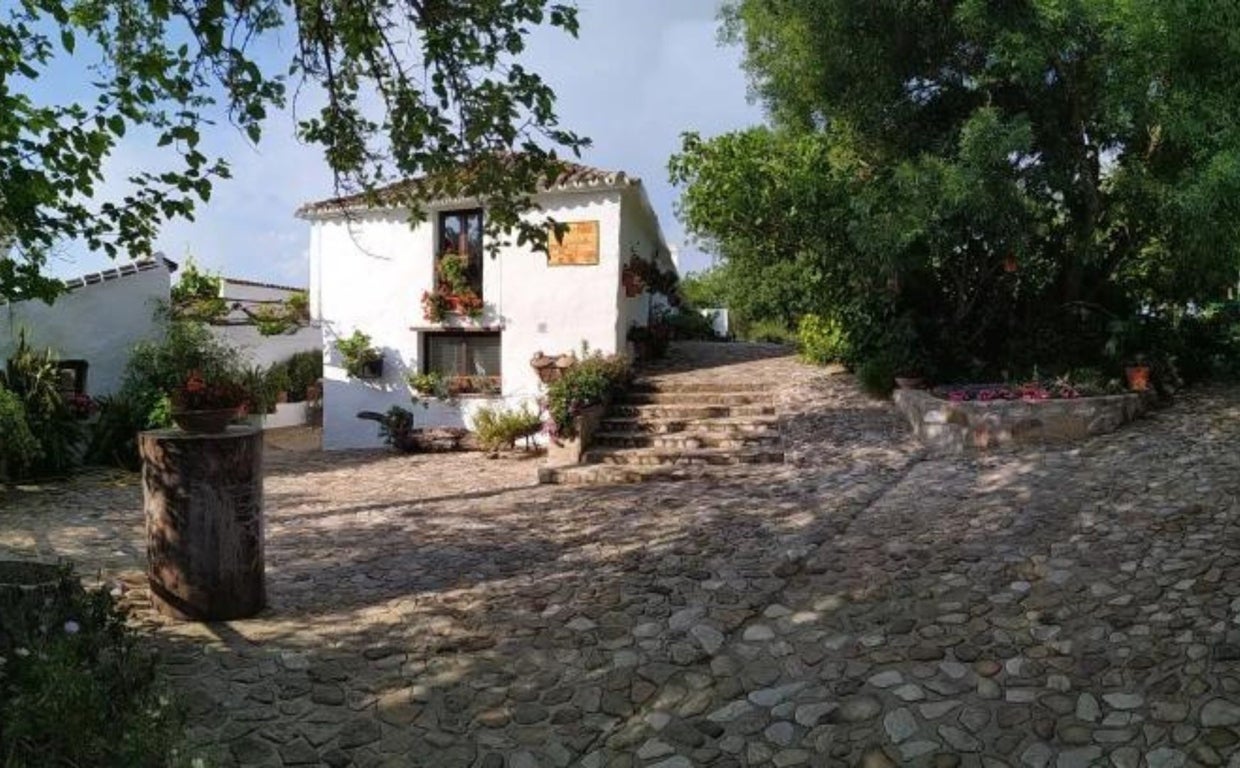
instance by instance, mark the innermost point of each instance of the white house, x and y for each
(95, 324)
(369, 269)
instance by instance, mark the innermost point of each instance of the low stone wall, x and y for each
(971, 426)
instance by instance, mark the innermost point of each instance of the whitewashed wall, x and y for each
(263, 350)
(369, 272)
(99, 323)
(639, 234)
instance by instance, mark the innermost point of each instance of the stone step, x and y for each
(622, 474)
(664, 411)
(703, 456)
(609, 474)
(694, 398)
(683, 386)
(687, 440)
(670, 426)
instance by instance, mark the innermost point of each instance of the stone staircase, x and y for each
(668, 429)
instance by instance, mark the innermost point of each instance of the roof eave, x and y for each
(310, 213)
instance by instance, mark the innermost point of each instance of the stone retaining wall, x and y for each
(967, 426)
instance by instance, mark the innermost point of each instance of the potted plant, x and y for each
(361, 360)
(428, 385)
(206, 407)
(1125, 345)
(1137, 374)
(454, 293)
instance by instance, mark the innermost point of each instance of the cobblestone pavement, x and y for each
(862, 605)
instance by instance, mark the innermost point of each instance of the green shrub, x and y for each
(769, 331)
(278, 379)
(76, 686)
(396, 426)
(822, 340)
(112, 439)
(34, 377)
(499, 428)
(260, 390)
(691, 325)
(19, 449)
(876, 376)
(305, 369)
(650, 341)
(592, 381)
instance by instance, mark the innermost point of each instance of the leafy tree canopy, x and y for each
(410, 87)
(979, 174)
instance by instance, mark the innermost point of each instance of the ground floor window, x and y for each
(71, 377)
(470, 362)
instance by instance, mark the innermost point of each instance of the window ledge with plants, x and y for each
(438, 386)
(458, 327)
(455, 296)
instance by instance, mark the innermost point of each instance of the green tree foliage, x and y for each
(994, 181)
(444, 73)
(19, 449)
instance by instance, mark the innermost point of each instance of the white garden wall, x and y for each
(263, 350)
(369, 271)
(99, 321)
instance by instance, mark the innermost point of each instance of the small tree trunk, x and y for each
(203, 498)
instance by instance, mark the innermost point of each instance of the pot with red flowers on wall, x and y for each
(201, 406)
(550, 369)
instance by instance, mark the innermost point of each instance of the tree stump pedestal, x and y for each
(203, 499)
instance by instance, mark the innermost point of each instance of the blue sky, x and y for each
(640, 73)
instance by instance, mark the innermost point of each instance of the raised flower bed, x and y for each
(983, 417)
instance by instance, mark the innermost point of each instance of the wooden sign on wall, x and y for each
(578, 247)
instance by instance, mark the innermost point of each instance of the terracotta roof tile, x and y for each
(573, 177)
(116, 273)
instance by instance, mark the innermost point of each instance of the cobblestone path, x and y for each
(861, 605)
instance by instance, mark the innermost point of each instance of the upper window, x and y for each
(460, 232)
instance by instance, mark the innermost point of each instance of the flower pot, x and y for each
(910, 382)
(210, 422)
(371, 369)
(1138, 377)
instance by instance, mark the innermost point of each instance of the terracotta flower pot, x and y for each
(910, 382)
(210, 422)
(1138, 377)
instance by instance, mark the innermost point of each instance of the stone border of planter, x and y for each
(950, 427)
(562, 452)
